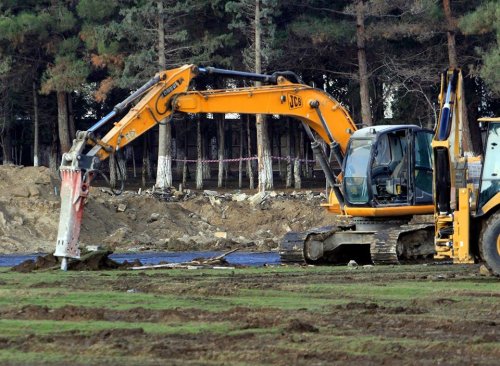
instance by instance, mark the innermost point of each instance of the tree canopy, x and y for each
(92, 53)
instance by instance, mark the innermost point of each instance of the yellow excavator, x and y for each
(467, 188)
(385, 176)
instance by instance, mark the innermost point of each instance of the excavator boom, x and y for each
(169, 92)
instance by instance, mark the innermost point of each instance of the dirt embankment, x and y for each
(29, 216)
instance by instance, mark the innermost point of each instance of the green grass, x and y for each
(13, 328)
(233, 315)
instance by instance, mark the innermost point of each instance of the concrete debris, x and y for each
(121, 207)
(221, 234)
(93, 248)
(352, 264)
(20, 192)
(239, 197)
(34, 191)
(258, 198)
(207, 192)
(214, 201)
(485, 271)
(154, 217)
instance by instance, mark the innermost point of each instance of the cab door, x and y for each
(422, 167)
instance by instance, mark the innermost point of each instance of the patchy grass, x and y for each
(282, 316)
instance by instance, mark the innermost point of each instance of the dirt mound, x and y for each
(93, 261)
(301, 327)
(193, 220)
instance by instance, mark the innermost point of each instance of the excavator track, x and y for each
(402, 243)
(408, 243)
(291, 248)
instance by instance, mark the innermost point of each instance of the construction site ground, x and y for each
(284, 315)
(280, 315)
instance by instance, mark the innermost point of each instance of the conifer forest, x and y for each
(64, 64)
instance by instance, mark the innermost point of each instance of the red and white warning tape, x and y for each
(241, 159)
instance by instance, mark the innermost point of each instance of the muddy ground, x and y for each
(405, 315)
(194, 220)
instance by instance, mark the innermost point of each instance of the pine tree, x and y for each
(68, 71)
(254, 19)
(485, 21)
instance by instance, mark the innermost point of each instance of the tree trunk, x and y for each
(451, 28)
(7, 144)
(467, 128)
(297, 166)
(281, 166)
(146, 160)
(179, 148)
(113, 173)
(36, 128)
(251, 183)
(364, 91)
(220, 150)
(206, 146)
(53, 157)
(122, 164)
(62, 122)
(185, 170)
(71, 118)
(199, 156)
(308, 166)
(134, 165)
(265, 167)
(240, 163)
(164, 169)
(289, 166)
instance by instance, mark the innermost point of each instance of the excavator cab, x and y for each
(388, 166)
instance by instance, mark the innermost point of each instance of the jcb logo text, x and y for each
(294, 101)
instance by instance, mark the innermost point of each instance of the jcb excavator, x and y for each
(467, 203)
(385, 176)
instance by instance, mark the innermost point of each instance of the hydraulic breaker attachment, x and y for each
(77, 171)
(73, 193)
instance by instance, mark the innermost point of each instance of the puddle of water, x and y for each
(241, 258)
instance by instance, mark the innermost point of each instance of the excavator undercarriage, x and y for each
(365, 240)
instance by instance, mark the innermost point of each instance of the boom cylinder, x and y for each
(238, 74)
(124, 104)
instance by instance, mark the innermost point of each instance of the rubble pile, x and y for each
(172, 220)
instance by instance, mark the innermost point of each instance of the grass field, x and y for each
(395, 315)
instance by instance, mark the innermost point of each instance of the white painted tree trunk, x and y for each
(251, 183)
(297, 168)
(220, 150)
(289, 165)
(265, 166)
(240, 164)
(366, 114)
(36, 128)
(164, 169)
(296, 171)
(199, 156)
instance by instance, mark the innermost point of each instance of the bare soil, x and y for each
(440, 321)
(29, 216)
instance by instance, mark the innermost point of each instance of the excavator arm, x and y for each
(169, 92)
